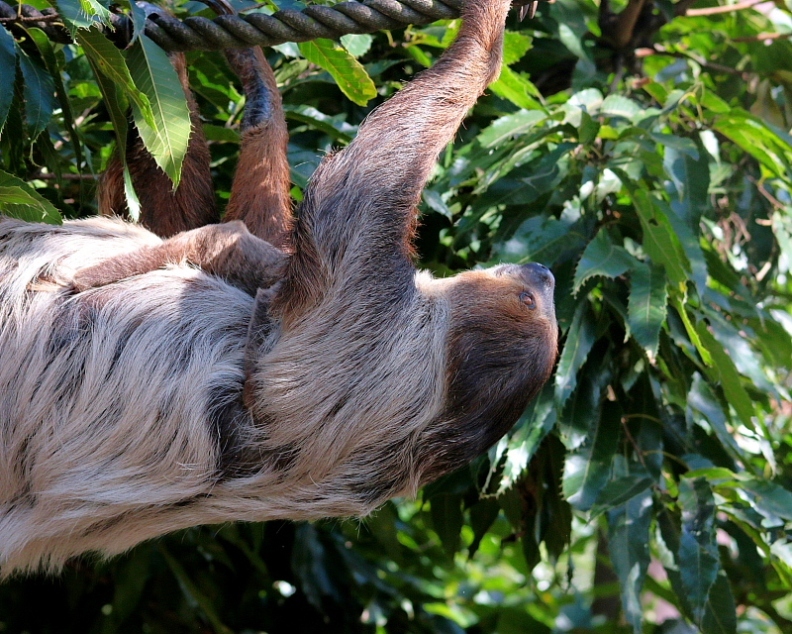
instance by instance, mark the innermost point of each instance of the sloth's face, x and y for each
(501, 348)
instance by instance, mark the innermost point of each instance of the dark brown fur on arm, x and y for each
(162, 210)
(359, 215)
(260, 192)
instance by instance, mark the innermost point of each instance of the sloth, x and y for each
(268, 367)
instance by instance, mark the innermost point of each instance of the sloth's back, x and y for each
(91, 384)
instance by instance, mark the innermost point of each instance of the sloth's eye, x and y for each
(528, 299)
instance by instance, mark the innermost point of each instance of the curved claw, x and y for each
(528, 10)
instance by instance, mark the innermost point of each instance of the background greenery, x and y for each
(648, 488)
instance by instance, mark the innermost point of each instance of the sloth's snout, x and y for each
(538, 276)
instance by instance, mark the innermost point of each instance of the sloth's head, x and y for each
(501, 348)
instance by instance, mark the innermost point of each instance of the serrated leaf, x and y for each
(348, 73)
(701, 399)
(724, 370)
(168, 138)
(39, 91)
(511, 125)
(720, 614)
(587, 470)
(628, 544)
(8, 66)
(114, 98)
(647, 306)
(659, 240)
(15, 196)
(697, 558)
(580, 339)
(688, 170)
(20, 200)
(513, 87)
(82, 14)
(108, 60)
(601, 258)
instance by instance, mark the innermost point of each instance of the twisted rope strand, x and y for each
(242, 31)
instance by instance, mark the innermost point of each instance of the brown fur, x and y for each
(260, 192)
(161, 397)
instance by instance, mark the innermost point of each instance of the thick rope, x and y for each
(242, 31)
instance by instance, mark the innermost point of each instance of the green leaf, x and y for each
(348, 73)
(482, 516)
(168, 138)
(8, 66)
(724, 370)
(587, 469)
(357, 44)
(620, 106)
(628, 544)
(659, 240)
(580, 339)
(689, 172)
(602, 258)
(47, 53)
(108, 60)
(114, 98)
(588, 129)
(339, 132)
(513, 87)
(15, 196)
(39, 90)
(510, 126)
(620, 490)
(757, 139)
(82, 14)
(191, 592)
(647, 306)
(447, 519)
(20, 200)
(697, 558)
(720, 614)
(515, 46)
(701, 399)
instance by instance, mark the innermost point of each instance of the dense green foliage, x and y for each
(649, 488)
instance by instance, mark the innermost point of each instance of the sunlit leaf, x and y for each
(349, 74)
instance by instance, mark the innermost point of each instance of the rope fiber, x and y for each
(244, 30)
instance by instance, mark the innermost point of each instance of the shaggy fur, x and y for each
(157, 399)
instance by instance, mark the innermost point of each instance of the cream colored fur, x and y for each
(95, 455)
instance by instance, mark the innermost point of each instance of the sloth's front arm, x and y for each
(227, 250)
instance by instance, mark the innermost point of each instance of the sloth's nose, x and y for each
(538, 275)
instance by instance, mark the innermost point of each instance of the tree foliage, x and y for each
(649, 487)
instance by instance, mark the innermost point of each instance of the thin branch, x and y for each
(747, 4)
(52, 17)
(711, 66)
(761, 37)
(65, 177)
